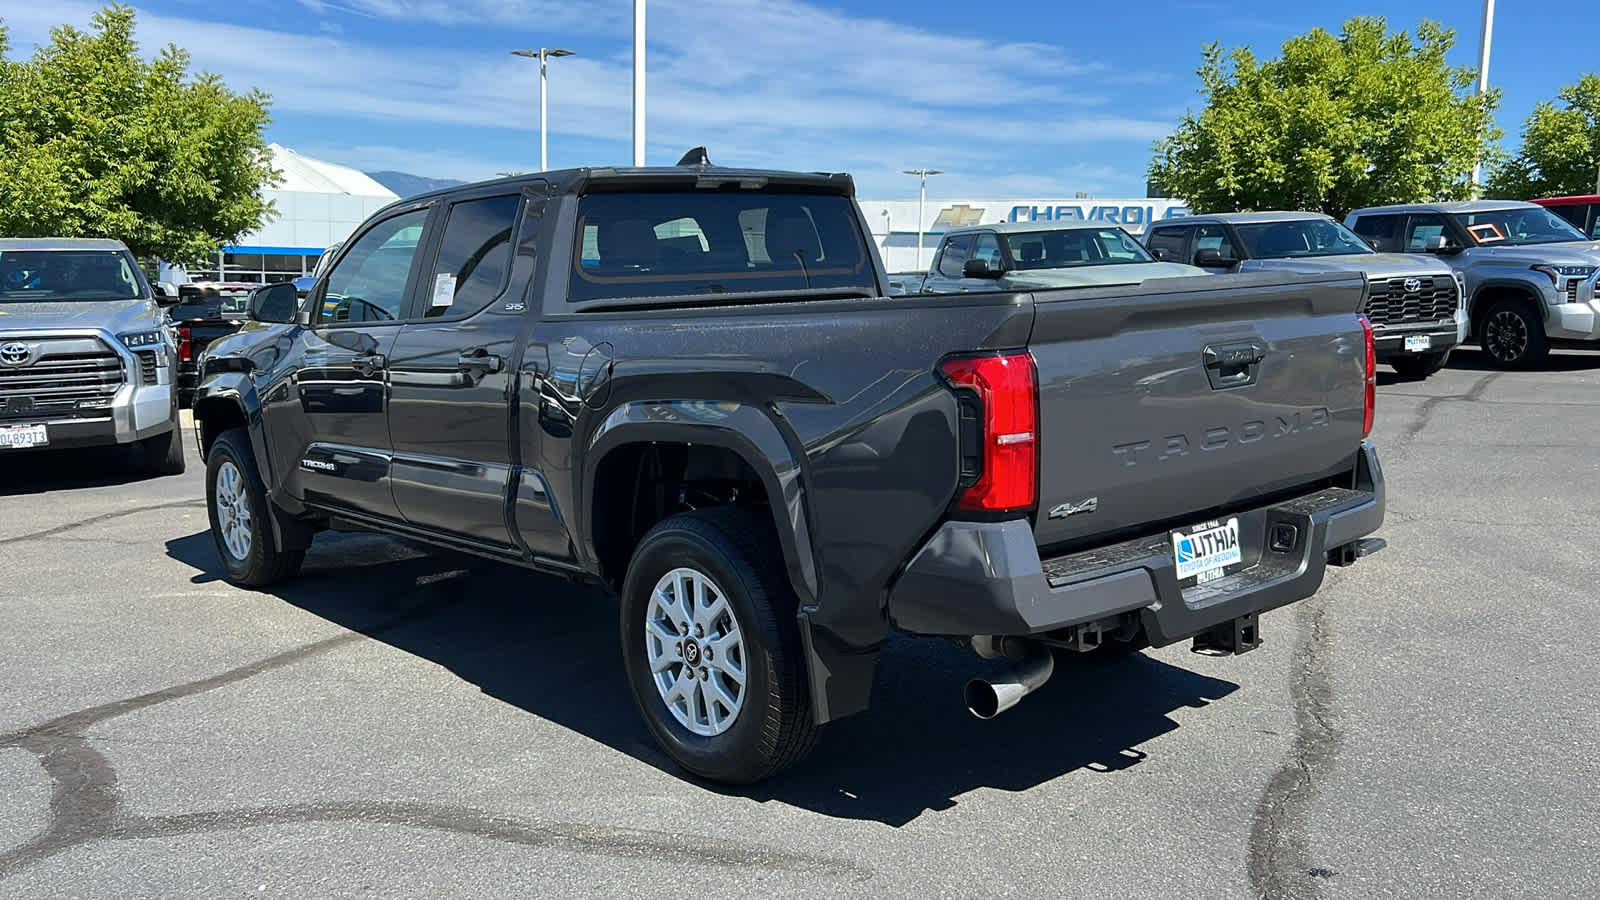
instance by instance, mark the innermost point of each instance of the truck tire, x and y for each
(1513, 335)
(163, 454)
(712, 648)
(1420, 366)
(238, 506)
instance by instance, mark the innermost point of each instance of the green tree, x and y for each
(1560, 147)
(97, 141)
(1335, 123)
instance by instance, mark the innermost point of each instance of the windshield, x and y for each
(1074, 247)
(53, 276)
(1299, 238)
(1518, 225)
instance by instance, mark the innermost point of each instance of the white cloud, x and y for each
(778, 83)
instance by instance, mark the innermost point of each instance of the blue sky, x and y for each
(1033, 97)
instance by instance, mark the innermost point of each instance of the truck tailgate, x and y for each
(1168, 403)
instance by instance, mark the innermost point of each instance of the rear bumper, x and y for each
(1391, 342)
(975, 578)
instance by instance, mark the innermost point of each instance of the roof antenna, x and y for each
(697, 158)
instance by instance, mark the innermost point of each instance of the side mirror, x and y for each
(979, 268)
(1441, 245)
(1162, 253)
(274, 303)
(166, 294)
(1212, 258)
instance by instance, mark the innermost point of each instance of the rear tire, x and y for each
(1512, 335)
(712, 648)
(237, 503)
(1420, 366)
(163, 454)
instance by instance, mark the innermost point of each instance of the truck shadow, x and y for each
(516, 634)
(1472, 359)
(42, 471)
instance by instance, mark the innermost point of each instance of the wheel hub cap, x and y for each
(696, 651)
(233, 511)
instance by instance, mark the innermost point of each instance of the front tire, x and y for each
(1420, 366)
(712, 648)
(163, 454)
(239, 509)
(1513, 336)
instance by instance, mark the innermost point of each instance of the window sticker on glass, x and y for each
(444, 289)
(1487, 233)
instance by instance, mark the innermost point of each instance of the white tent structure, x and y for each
(318, 204)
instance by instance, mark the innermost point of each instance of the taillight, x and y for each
(1372, 379)
(1000, 420)
(185, 348)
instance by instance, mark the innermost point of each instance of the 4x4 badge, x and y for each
(1072, 509)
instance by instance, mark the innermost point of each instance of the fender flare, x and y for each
(748, 431)
(1531, 289)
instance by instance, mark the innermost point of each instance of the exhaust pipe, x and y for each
(989, 697)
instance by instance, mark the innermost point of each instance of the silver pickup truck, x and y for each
(1413, 301)
(86, 356)
(1027, 256)
(1529, 276)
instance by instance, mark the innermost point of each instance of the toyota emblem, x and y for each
(1413, 285)
(16, 353)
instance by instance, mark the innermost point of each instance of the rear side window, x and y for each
(1424, 228)
(1171, 244)
(686, 244)
(1379, 231)
(474, 256)
(956, 251)
(1214, 237)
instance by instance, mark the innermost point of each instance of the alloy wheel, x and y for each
(233, 511)
(696, 651)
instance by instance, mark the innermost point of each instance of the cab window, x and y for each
(474, 256)
(1170, 244)
(368, 284)
(956, 251)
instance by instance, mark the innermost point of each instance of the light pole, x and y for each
(1483, 77)
(638, 82)
(888, 232)
(922, 199)
(542, 54)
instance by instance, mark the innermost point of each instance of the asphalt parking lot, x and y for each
(404, 722)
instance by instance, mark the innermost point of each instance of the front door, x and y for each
(344, 454)
(451, 374)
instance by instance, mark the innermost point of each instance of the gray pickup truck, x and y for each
(1414, 301)
(689, 385)
(1027, 256)
(1529, 276)
(86, 356)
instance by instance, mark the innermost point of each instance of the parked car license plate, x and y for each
(1205, 552)
(21, 437)
(1417, 343)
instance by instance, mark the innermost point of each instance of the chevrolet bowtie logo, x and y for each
(958, 216)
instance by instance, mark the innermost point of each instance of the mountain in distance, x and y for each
(407, 185)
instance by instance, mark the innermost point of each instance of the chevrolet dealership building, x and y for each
(894, 222)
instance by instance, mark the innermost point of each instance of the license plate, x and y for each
(1203, 554)
(21, 437)
(1417, 343)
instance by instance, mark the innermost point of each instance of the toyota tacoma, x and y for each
(689, 385)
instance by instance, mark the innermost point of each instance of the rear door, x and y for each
(342, 449)
(1190, 396)
(450, 374)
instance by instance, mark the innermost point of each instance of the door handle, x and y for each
(486, 362)
(368, 365)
